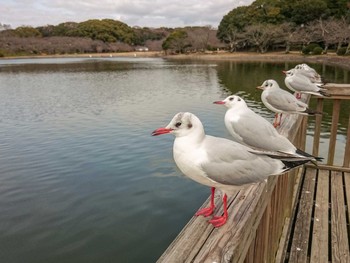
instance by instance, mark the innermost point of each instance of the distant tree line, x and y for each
(288, 24)
(311, 26)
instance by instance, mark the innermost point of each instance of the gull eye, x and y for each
(178, 124)
(231, 99)
(239, 99)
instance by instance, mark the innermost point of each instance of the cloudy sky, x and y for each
(144, 13)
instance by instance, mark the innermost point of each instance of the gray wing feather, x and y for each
(231, 163)
(285, 102)
(302, 83)
(257, 132)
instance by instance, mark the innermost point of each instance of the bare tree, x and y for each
(342, 29)
(288, 32)
(234, 38)
(262, 36)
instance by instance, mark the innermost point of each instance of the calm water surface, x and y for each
(81, 179)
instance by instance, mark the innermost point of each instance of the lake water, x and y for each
(82, 179)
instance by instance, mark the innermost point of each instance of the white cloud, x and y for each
(169, 13)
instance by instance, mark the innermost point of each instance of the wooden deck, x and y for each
(320, 230)
(301, 216)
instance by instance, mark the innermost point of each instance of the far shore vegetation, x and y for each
(308, 27)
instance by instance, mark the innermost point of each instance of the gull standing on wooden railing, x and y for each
(281, 101)
(251, 129)
(297, 82)
(220, 163)
(309, 72)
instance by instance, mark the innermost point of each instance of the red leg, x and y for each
(208, 210)
(275, 120)
(218, 221)
(298, 95)
(279, 123)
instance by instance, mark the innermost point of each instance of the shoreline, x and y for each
(330, 59)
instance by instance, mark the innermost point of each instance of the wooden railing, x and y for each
(259, 216)
(340, 93)
(306, 196)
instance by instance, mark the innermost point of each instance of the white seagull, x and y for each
(301, 84)
(281, 101)
(309, 72)
(218, 162)
(251, 129)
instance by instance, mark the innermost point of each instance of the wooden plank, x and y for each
(320, 242)
(284, 238)
(275, 213)
(190, 239)
(336, 89)
(334, 129)
(347, 191)
(347, 196)
(284, 207)
(231, 242)
(293, 193)
(346, 162)
(329, 167)
(301, 235)
(317, 132)
(340, 242)
(250, 257)
(302, 134)
(262, 236)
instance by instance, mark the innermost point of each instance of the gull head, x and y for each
(290, 72)
(268, 84)
(232, 101)
(303, 67)
(182, 124)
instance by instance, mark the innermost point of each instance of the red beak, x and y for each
(161, 131)
(285, 72)
(219, 102)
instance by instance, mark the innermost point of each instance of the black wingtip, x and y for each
(323, 93)
(300, 152)
(288, 165)
(313, 112)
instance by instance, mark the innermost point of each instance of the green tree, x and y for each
(145, 33)
(27, 31)
(67, 29)
(265, 11)
(302, 12)
(338, 8)
(176, 41)
(107, 30)
(232, 24)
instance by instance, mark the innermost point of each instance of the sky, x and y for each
(143, 13)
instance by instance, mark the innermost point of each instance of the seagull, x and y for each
(220, 163)
(281, 101)
(301, 84)
(251, 129)
(309, 72)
